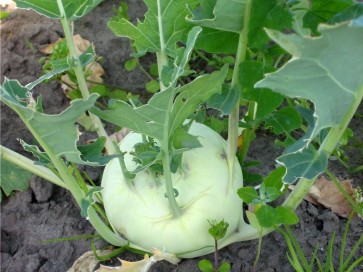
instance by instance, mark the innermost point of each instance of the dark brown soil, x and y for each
(47, 212)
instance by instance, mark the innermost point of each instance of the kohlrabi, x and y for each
(204, 190)
(172, 175)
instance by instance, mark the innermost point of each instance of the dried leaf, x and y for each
(324, 192)
(95, 68)
(87, 262)
(142, 265)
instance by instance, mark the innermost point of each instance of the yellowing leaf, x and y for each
(324, 192)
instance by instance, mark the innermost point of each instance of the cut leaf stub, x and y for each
(318, 71)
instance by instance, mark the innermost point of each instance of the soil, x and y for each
(46, 212)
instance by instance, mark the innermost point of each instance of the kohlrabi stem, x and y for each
(327, 147)
(162, 60)
(30, 166)
(236, 84)
(78, 70)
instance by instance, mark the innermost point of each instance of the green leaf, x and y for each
(269, 193)
(13, 178)
(322, 11)
(267, 101)
(93, 152)
(286, 216)
(214, 41)
(318, 72)
(43, 158)
(150, 119)
(89, 200)
(178, 69)
(299, 9)
(205, 266)
(183, 140)
(220, 14)
(225, 267)
(284, 120)
(248, 194)
(218, 229)
(272, 14)
(146, 34)
(4, 15)
(350, 13)
(62, 65)
(252, 219)
(225, 101)
(274, 179)
(307, 163)
(62, 135)
(152, 86)
(74, 9)
(195, 93)
(130, 64)
(266, 216)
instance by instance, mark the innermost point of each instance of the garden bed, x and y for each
(47, 212)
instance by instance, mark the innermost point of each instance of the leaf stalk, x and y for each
(233, 120)
(78, 70)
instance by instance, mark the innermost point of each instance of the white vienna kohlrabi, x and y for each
(141, 212)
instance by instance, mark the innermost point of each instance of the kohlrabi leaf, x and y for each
(89, 200)
(267, 101)
(182, 140)
(13, 178)
(318, 72)
(61, 136)
(307, 163)
(225, 101)
(321, 11)
(299, 9)
(43, 158)
(220, 14)
(74, 9)
(272, 14)
(352, 12)
(62, 65)
(178, 69)
(93, 152)
(156, 33)
(284, 120)
(191, 95)
(167, 108)
(58, 66)
(214, 41)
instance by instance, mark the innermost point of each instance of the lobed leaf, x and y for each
(156, 25)
(284, 120)
(61, 137)
(321, 11)
(174, 104)
(272, 14)
(318, 72)
(220, 14)
(267, 101)
(74, 9)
